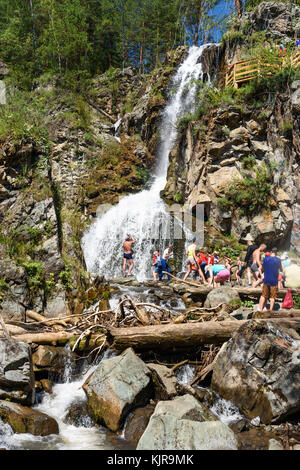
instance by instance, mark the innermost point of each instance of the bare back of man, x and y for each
(256, 266)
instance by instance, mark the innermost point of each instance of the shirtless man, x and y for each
(127, 247)
(256, 266)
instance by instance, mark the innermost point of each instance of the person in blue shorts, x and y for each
(127, 247)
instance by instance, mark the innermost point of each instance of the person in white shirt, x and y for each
(168, 252)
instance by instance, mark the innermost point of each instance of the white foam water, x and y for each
(145, 215)
(70, 437)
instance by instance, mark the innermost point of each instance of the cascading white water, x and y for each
(144, 214)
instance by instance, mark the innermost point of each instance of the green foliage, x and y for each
(251, 193)
(296, 301)
(249, 162)
(35, 273)
(142, 174)
(178, 197)
(66, 277)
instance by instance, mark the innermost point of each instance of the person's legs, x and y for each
(188, 271)
(249, 276)
(130, 267)
(262, 302)
(124, 267)
(264, 297)
(273, 295)
(169, 270)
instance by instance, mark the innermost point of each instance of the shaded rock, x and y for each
(79, 415)
(137, 422)
(185, 424)
(242, 313)
(221, 295)
(295, 101)
(118, 385)
(52, 360)
(26, 420)
(16, 372)
(164, 380)
(47, 385)
(258, 370)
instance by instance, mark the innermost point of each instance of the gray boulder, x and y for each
(221, 295)
(16, 372)
(23, 419)
(185, 424)
(258, 370)
(116, 387)
(164, 381)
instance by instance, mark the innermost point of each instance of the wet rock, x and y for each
(16, 372)
(117, 386)
(26, 420)
(258, 370)
(52, 360)
(221, 295)
(47, 385)
(164, 380)
(79, 415)
(185, 424)
(137, 423)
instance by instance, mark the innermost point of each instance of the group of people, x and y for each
(266, 267)
(263, 268)
(209, 267)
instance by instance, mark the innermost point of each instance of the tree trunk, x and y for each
(171, 337)
(45, 338)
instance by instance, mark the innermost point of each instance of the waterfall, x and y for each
(145, 215)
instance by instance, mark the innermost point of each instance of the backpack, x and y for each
(158, 261)
(288, 300)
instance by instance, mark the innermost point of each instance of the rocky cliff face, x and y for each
(52, 184)
(232, 141)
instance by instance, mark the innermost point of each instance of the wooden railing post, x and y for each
(235, 84)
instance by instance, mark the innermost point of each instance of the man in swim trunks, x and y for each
(127, 247)
(256, 266)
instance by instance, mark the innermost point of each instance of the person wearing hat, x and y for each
(249, 257)
(192, 260)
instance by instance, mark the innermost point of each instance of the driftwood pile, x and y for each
(143, 326)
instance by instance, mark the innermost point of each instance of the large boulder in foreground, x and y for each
(258, 370)
(117, 386)
(185, 424)
(221, 295)
(26, 420)
(16, 372)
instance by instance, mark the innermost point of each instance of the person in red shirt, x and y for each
(156, 259)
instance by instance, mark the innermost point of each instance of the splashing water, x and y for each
(145, 215)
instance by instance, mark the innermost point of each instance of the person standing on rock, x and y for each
(192, 259)
(256, 266)
(271, 267)
(249, 257)
(127, 247)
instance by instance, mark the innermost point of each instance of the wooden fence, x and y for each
(246, 70)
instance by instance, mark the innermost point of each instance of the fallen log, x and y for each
(182, 336)
(43, 320)
(292, 313)
(198, 293)
(45, 338)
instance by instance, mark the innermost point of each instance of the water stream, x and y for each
(145, 215)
